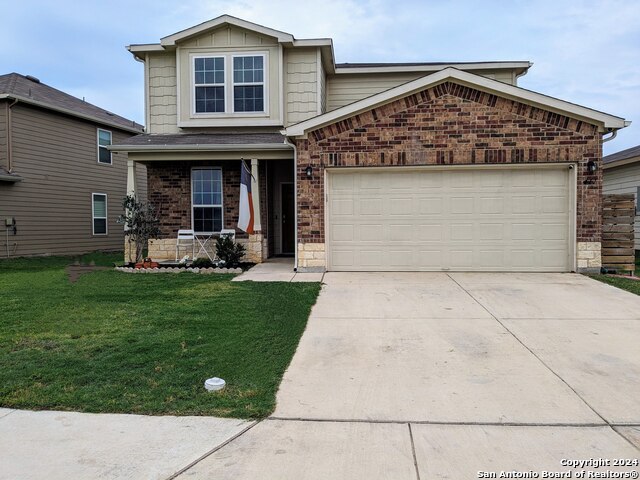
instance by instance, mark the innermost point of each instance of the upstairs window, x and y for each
(209, 84)
(206, 199)
(248, 84)
(228, 84)
(104, 140)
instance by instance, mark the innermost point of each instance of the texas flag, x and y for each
(245, 218)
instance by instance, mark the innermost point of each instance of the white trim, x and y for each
(434, 67)
(221, 206)
(464, 78)
(573, 221)
(202, 147)
(105, 218)
(145, 47)
(229, 112)
(192, 84)
(171, 40)
(98, 130)
(264, 83)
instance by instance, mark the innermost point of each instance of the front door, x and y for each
(288, 219)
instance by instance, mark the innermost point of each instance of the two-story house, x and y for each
(395, 166)
(61, 189)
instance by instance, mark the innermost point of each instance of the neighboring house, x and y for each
(61, 189)
(622, 175)
(400, 166)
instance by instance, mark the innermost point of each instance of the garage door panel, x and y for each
(465, 220)
(429, 206)
(400, 206)
(461, 205)
(370, 206)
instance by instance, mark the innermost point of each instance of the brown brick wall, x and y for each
(169, 190)
(450, 125)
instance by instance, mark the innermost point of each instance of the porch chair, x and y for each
(186, 238)
(228, 232)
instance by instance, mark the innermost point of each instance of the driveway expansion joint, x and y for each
(413, 452)
(437, 422)
(213, 450)
(531, 351)
(7, 414)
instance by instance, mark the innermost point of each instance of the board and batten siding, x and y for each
(56, 156)
(346, 88)
(162, 101)
(624, 179)
(301, 85)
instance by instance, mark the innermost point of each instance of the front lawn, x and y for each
(629, 285)
(117, 342)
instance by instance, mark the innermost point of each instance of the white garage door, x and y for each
(458, 219)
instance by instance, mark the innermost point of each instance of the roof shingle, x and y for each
(622, 155)
(205, 139)
(30, 88)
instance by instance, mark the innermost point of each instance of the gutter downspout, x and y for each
(9, 142)
(295, 201)
(614, 134)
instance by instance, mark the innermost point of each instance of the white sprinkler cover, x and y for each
(213, 384)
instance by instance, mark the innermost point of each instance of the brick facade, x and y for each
(169, 190)
(450, 124)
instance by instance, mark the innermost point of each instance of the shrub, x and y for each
(229, 251)
(202, 263)
(140, 224)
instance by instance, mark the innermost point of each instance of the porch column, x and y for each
(132, 186)
(255, 195)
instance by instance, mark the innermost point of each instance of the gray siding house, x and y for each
(622, 175)
(60, 188)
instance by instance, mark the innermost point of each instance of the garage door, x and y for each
(457, 219)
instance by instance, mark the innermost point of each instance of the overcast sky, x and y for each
(586, 52)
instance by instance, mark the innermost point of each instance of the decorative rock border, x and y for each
(202, 271)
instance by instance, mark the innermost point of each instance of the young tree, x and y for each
(140, 224)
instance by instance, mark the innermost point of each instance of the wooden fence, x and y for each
(618, 214)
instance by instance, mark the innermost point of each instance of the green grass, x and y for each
(117, 342)
(632, 286)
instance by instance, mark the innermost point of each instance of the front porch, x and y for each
(204, 196)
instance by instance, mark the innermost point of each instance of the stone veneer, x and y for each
(451, 124)
(165, 248)
(589, 257)
(311, 257)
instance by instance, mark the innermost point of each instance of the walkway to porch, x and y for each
(277, 269)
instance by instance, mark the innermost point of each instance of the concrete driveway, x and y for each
(397, 376)
(405, 376)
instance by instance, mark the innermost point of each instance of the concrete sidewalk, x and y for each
(278, 269)
(68, 445)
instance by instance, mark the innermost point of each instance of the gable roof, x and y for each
(170, 40)
(623, 157)
(30, 90)
(605, 121)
